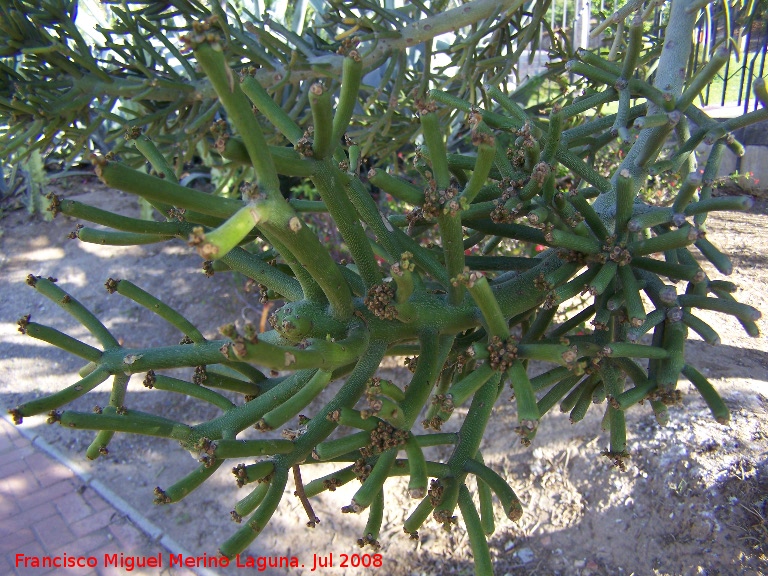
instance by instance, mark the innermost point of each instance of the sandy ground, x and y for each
(693, 499)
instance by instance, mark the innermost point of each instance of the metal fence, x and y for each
(749, 46)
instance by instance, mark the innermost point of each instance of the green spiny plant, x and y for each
(473, 322)
(77, 94)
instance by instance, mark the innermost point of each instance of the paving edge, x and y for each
(141, 522)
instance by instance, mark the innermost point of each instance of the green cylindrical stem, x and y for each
(701, 328)
(250, 502)
(589, 102)
(258, 471)
(749, 325)
(240, 114)
(394, 241)
(134, 422)
(603, 278)
(632, 299)
(684, 196)
(715, 402)
(534, 185)
(333, 448)
(150, 152)
(632, 369)
(351, 76)
(502, 163)
(595, 223)
(656, 120)
(191, 481)
(433, 137)
(508, 104)
(319, 352)
(98, 216)
(599, 394)
(222, 240)
(634, 48)
(614, 386)
(485, 496)
(759, 86)
(550, 377)
(741, 311)
(418, 516)
(192, 390)
(244, 448)
(391, 390)
(491, 118)
(660, 412)
(267, 106)
(553, 136)
(287, 160)
(417, 468)
(573, 396)
(583, 400)
(625, 200)
(375, 481)
(675, 334)
(629, 350)
(486, 153)
(573, 242)
(736, 203)
(513, 509)
(391, 412)
(257, 522)
(592, 73)
(253, 267)
(287, 410)
(225, 382)
(702, 77)
(685, 236)
(151, 188)
(634, 395)
(130, 290)
(452, 235)
(719, 260)
(543, 320)
(396, 187)
(595, 60)
(618, 429)
(111, 238)
(65, 396)
(470, 384)
(576, 286)
(556, 393)
(49, 289)
(722, 286)
(63, 341)
(573, 322)
(551, 352)
(489, 307)
(653, 217)
(353, 419)
(527, 410)
(675, 271)
(297, 240)
(375, 518)
(481, 554)
(330, 481)
(322, 116)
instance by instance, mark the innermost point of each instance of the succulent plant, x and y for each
(472, 323)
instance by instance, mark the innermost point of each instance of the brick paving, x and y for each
(48, 510)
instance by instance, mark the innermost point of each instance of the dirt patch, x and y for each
(692, 500)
